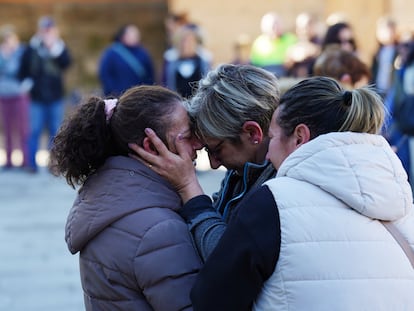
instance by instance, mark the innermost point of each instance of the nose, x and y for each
(214, 162)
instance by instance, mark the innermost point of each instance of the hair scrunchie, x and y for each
(110, 105)
(347, 98)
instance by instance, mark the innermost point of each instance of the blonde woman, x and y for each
(315, 237)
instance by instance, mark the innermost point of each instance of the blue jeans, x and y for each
(43, 115)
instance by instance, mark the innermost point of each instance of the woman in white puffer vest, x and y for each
(316, 236)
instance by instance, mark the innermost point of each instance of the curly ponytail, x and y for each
(82, 143)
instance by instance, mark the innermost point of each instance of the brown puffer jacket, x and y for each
(135, 251)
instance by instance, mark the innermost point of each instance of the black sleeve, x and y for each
(205, 223)
(244, 258)
(64, 59)
(196, 206)
(24, 66)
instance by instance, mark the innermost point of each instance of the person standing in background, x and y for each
(187, 61)
(385, 77)
(173, 22)
(301, 56)
(44, 61)
(341, 34)
(125, 63)
(383, 61)
(342, 65)
(241, 50)
(403, 87)
(269, 50)
(14, 99)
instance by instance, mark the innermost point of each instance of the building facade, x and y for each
(88, 26)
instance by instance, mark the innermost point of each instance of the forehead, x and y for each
(274, 122)
(211, 141)
(131, 29)
(345, 32)
(179, 118)
(274, 128)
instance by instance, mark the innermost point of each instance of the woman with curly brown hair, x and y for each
(135, 251)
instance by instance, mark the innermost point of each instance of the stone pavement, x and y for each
(37, 272)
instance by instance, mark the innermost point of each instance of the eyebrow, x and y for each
(186, 131)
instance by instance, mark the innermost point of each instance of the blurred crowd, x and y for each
(32, 74)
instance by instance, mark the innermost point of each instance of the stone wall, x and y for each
(223, 21)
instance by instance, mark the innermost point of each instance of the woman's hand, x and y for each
(178, 168)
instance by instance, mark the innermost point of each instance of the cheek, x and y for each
(273, 149)
(188, 147)
(278, 151)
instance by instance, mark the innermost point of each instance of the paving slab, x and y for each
(37, 272)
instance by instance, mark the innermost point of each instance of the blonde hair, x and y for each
(324, 106)
(229, 96)
(366, 113)
(335, 62)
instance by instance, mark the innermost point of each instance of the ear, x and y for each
(254, 132)
(148, 146)
(301, 135)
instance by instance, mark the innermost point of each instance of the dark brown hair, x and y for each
(332, 35)
(335, 62)
(86, 139)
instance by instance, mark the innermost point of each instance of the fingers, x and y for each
(142, 155)
(136, 157)
(146, 156)
(133, 155)
(156, 141)
(134, 147)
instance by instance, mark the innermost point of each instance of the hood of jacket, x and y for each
(359, 169)
(120, 187)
